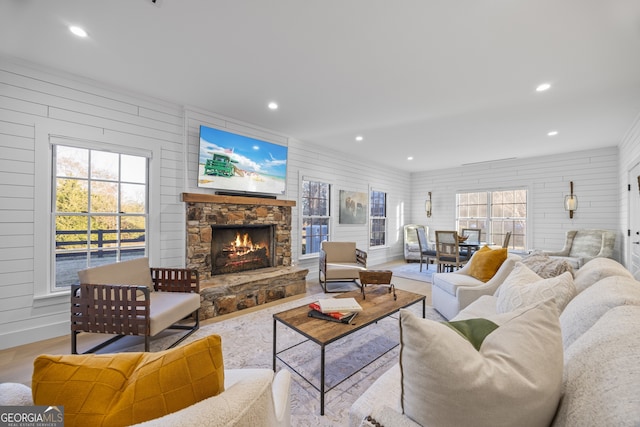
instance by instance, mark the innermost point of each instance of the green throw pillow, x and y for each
(473, 330)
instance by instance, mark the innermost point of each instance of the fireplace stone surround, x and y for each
(226, 293)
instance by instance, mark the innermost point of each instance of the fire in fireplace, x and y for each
(240, 248)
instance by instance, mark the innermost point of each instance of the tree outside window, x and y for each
(316, 201)
(100, 209)
(495, 213)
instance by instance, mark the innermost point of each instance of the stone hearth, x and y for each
(226, 293)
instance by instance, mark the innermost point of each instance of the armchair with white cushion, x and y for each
(255, 397)
(340, 261)
(452, 292)
(581, 246)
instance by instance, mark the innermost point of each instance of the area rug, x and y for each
(411, 270)
(247, 342)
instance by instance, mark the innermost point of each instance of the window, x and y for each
(378, 219)
(99, 207)
(495, 213)
(315, 215)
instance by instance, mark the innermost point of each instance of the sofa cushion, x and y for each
(340, 251)
(15, 394)
(132, 272)
(597, 269)
(167, 307)
(343, 270)
(523, 287)
(588, 306)
(545, 266)
(485, 262)
(473, 330)
(128, 388)
(602, 373)
(446, 381)
(450, 282)
(387, 385)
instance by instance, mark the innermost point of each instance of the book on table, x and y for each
(341, 305)
(333, 317)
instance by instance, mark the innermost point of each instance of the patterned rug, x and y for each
(411, 270)
(247, 342)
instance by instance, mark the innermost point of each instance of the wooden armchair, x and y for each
(129, 298)
(340, 261)
(448, 251)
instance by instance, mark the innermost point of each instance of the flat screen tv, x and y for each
(238, 164)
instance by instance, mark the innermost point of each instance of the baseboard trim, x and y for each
(29, 336)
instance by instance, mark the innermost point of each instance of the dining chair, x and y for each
(507, 237)
(472, 234)
(473, 237)
(423, 244)
(448, 251)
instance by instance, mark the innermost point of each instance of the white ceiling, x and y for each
(448, 82)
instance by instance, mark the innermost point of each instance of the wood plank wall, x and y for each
(596, 183)
(32, 99)
(629, 157)
(35, 101)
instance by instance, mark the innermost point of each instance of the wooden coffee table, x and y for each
(379, 303)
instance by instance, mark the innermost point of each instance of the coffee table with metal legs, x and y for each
(379, 303)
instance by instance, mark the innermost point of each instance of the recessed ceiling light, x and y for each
(553, 133)
(410, 158)
(543, 87)
(359, 138)
(273, 106)
(80, 32)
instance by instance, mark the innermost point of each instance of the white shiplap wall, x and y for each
(629, 157)
(33, 101)
(315, 162)
(596, 183)
(33, 104)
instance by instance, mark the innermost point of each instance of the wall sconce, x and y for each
(571, 201)
(427, 206)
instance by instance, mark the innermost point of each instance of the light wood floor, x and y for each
(16, 364)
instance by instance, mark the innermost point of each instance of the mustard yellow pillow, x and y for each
(129, 388)
(486, 262)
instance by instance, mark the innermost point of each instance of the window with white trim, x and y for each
(99, 209)
(378, 219)
(316, 203)
(495, 213)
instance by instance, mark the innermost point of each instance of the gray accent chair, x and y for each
(426, 255)
(411, 244)
(584, 245)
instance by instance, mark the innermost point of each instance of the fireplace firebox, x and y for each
(236, 248)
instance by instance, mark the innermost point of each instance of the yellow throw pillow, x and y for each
(129, 388)
(486, 262)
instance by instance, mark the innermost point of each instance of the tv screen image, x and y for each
(237, 163)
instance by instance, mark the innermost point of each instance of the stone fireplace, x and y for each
(241, 247)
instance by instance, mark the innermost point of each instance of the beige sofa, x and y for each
(252, 397)
(601, 337)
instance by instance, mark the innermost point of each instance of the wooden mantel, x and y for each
(238, 200)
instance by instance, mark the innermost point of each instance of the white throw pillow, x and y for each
(523, 287)
(514, 379)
